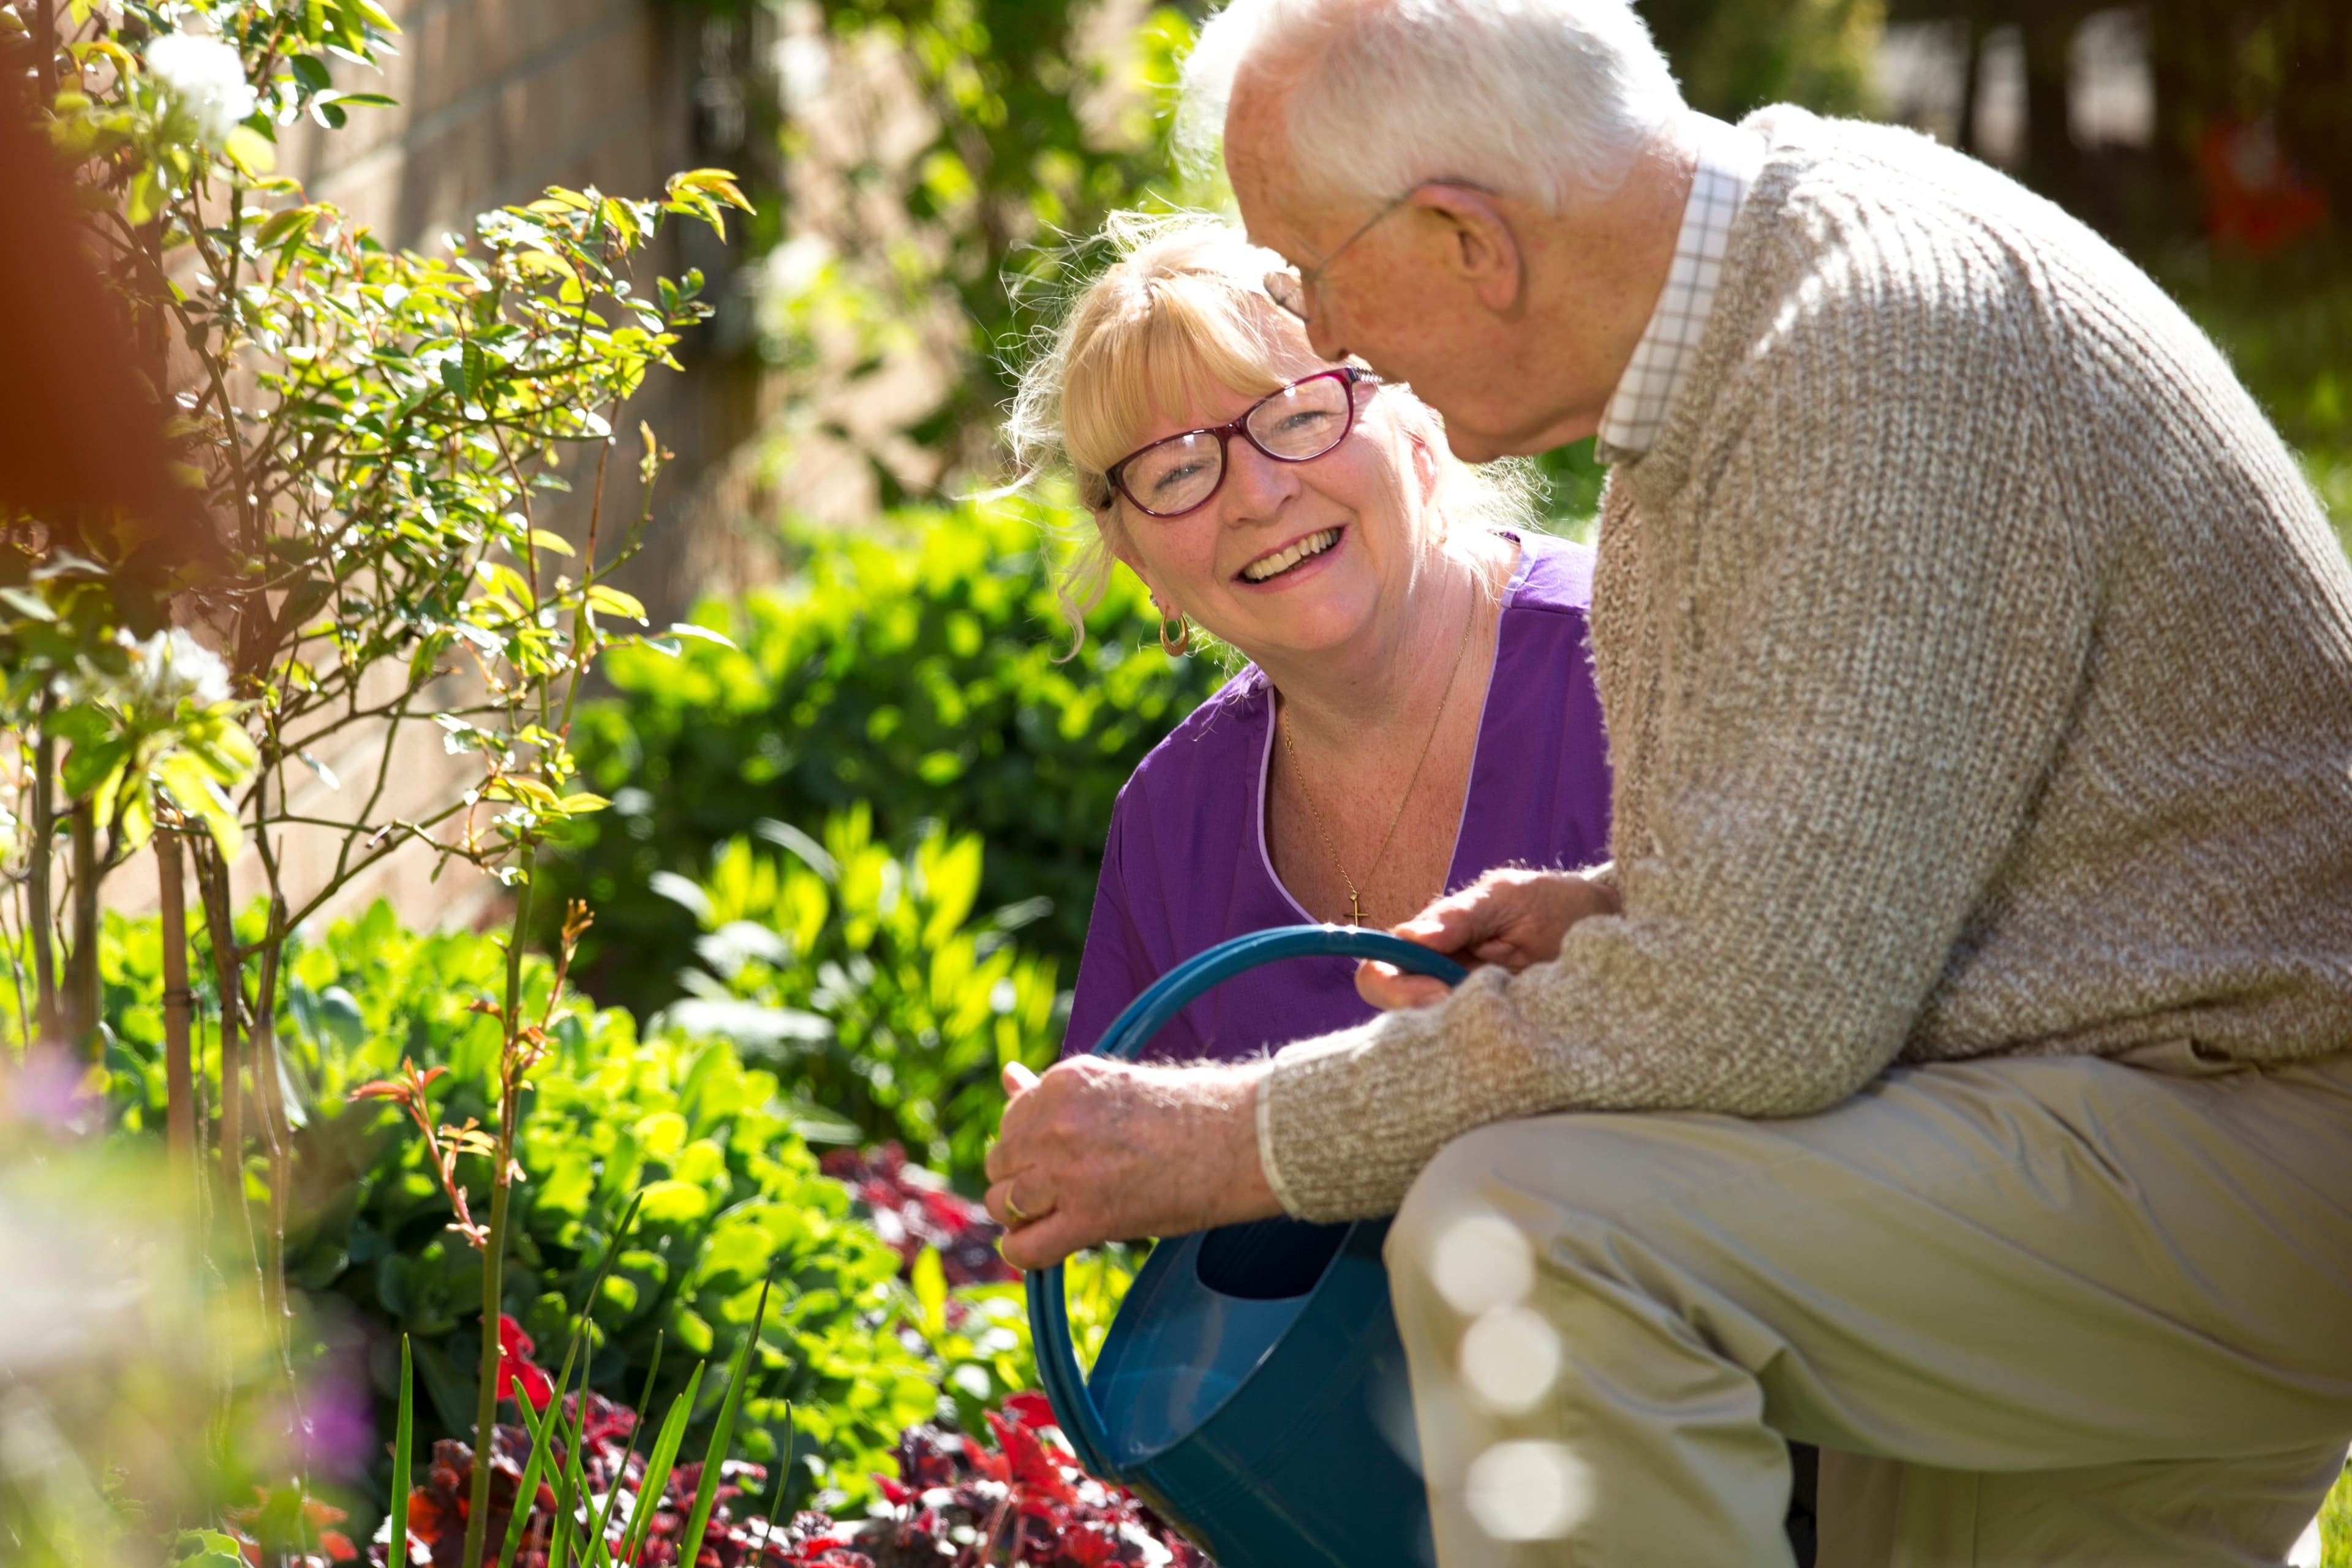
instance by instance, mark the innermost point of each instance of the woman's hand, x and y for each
(1100, 1150)
(1507, 917)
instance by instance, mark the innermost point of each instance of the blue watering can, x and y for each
(1253, 1389)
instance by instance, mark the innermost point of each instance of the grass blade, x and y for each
(657, 1466)
(527, 1492)
(593, 1550)
(572, 1498)
(776, 1498)
(515, 1525)
(404, 1438)
(629, 1445)
(706, 1491)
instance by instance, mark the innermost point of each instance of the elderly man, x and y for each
(1953, 1067)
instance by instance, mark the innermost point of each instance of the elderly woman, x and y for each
(1418, 704)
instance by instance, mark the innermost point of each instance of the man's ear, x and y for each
(1481, 248)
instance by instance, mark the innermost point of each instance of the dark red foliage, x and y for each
(956, 1502)
(913, 1208)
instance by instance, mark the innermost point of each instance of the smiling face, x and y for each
(1291, 559)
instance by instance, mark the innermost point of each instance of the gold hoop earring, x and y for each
(1181, 643)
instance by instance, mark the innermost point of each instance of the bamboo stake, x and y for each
(269, 1104)
(84, 1002)
(212, 884)
(179, 1079)
(41, 894)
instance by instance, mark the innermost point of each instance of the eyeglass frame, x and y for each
(1309, 279)
(1351, 376)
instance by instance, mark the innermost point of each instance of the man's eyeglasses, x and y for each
(1293, 287)
(1292, 425)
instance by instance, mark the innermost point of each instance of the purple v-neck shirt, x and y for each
(1186, 864)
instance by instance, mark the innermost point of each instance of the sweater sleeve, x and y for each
(1865, 635)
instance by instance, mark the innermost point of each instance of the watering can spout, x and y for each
(1252, 1388)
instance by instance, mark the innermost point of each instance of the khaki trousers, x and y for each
(2034, 1310)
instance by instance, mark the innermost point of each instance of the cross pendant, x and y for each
(1355, 908)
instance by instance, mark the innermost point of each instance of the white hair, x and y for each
(1547, 100)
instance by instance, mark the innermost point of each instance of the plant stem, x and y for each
(486, 1399)
(179, 1086)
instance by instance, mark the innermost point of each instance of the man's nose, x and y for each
(1323, 333)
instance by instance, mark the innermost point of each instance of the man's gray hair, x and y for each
(1548, 100)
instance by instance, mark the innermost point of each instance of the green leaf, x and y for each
(192, 785)
(658, 1465)
(91, 770)
(283, 225)
(612, 602)
(211, 1549)
(29, 605)
(311, 72)
(930, 1283)
(688, 629)
(706, 1491)
(251, 151)
(404, 1435)
(541, 1445)
(577, 804)
(644, 1403)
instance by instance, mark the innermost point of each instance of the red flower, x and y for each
(515, 1366)
(1032, 1410)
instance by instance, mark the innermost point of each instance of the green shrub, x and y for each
(913, 668)
(862, 978)
(732, 1195)
(2286, 322)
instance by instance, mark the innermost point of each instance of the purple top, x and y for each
(1186, 864)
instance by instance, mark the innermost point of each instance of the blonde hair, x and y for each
(1180, 314)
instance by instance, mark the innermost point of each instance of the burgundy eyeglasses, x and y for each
(1293, 424)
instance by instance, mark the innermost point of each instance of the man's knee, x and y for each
(1500, 1202)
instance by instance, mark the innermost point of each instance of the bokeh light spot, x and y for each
(1482, 1262)
(1528, 1490)
(1510, 1358)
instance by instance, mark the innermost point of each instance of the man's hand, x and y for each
(1506, 917)
(1100, 1150)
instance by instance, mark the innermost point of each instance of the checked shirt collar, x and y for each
(1729, 159)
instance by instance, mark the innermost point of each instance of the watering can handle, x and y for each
(1049, 1307)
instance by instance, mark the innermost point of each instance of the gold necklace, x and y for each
(1355, 898)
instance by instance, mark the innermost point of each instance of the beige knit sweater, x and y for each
(1978, 668)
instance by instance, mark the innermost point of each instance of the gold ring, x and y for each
(1020, 1215)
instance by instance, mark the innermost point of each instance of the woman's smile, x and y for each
(1294, 560)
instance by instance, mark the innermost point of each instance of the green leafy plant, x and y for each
(728, 1196)
(912, 667)
(376, 431)
(863, 977)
